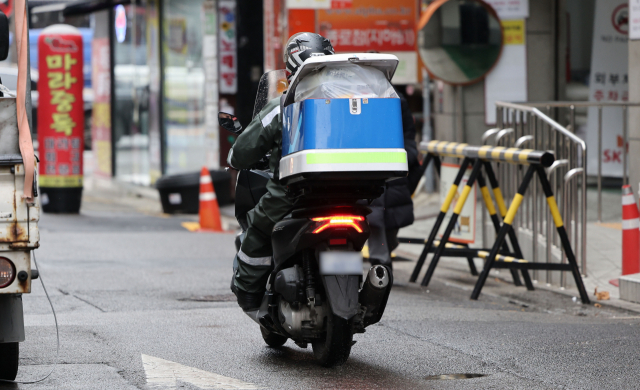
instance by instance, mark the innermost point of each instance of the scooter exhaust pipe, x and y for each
(375, 289)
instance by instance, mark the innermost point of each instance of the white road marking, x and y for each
(164, 375)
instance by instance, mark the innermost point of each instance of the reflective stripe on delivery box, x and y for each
(344, 160)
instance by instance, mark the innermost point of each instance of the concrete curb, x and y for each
(612, 303)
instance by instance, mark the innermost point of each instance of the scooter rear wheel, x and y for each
(334, 350)
(9, 353)
(272, 339)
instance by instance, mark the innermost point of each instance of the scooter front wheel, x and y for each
(335, 348)
(9, 360)
(273, 340)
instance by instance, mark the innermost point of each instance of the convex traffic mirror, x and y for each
(459, 41)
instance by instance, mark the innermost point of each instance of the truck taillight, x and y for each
(338, 221)
(7, 272)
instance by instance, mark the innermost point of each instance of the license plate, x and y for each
(340, 263)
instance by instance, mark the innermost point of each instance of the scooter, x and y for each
(316, 292)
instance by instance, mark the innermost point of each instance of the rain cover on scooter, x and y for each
(336, 81)
(342, 116)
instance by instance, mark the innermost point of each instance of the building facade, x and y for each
(161, 71)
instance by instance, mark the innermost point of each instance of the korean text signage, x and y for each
(634, 19)
(608, 83)
(273, 35)
(60, 108)
(508, 79)
(228, 51)
(465, 229)
(101, 118)
(510, 9)
(382, 25)
(374, 24)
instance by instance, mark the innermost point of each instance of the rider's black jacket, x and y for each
(397, 201)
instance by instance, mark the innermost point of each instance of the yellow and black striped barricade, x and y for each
(499, 256)
(488, 152)
(441, 250)
(451, 250)
(493, 260)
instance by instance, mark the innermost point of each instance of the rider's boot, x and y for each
(248, 301)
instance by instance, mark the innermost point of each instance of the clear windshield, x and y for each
(272, 84)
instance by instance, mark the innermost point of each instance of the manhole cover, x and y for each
(453, 376)
(210, 298)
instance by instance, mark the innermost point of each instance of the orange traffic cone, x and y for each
(630, 234)
(209, 210)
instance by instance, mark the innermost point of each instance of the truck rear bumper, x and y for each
(11, 318)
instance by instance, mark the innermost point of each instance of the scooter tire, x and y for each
(272, 339)
(9, 353)
(334, 350)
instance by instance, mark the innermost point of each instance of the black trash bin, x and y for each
(180, 193)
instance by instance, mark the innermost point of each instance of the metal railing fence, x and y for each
(566, 111)
(525, 126)
(552, 126)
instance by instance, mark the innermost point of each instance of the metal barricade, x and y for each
(565, 114)
(500, 254)
(523, 125)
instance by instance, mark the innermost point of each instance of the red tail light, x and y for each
(338, 221)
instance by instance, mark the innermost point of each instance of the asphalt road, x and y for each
(128, 287)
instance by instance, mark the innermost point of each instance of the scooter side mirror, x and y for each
(4, 36)
(229, 122)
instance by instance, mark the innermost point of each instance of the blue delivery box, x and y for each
(342, 121)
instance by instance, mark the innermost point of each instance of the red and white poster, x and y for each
(101, 118)
(382, 25)
(228, 50)
(608, 83)
(465, 228)
(273, 39)
(60, 108)
(371, 24)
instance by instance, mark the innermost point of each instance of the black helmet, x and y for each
(302, 46)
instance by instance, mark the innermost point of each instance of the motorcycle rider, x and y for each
(263, 135)
(394, 208)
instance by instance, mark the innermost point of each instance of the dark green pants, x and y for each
(255, 259)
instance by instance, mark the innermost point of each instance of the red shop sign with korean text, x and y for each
(382, 25)
(60, 107)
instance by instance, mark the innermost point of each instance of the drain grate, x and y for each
(453, 376)
(210, 298)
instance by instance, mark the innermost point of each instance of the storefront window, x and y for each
(184, 82)
(131, 113)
